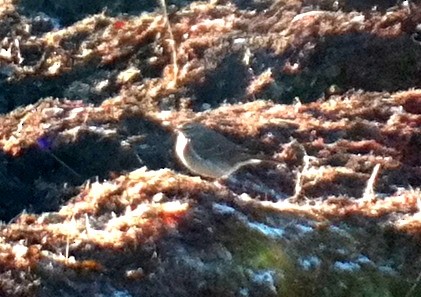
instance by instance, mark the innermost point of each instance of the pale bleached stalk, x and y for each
(172, 43)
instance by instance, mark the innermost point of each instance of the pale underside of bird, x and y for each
(210, 154)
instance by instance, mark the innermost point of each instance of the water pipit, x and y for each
(210, 154)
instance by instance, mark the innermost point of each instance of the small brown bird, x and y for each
(207, 153)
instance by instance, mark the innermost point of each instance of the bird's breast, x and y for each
(193, 161)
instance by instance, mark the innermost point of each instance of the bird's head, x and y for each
(191, 130)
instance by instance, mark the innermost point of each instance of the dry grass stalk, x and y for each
(369, 189)
(172, 42)
(300, 176)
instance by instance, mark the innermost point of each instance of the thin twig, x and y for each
(65, 165)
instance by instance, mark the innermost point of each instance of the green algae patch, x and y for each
(255, 252)
(353, 284)
(253, 249)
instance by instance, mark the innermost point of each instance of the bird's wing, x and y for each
(220, 148)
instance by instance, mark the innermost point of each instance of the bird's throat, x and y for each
(181, 147)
